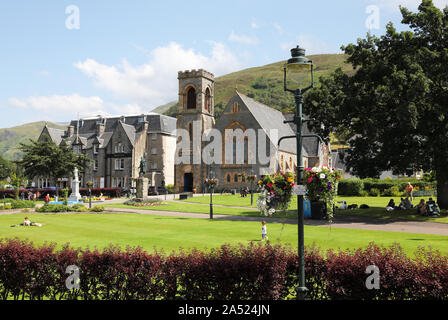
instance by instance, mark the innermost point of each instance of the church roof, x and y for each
(271, 119)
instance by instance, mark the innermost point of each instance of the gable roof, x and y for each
(55, 134)
(271, 119)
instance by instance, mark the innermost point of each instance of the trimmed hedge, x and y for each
(387, 187)
(259, 272)
(19, 204)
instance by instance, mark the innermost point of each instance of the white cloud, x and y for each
(67, 107)
(243, 39)
(155, 82)
(254, 25)
(278, 27)
(59, 103)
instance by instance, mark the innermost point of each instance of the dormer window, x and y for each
(96, 148)
(77, 149)
(119, 148)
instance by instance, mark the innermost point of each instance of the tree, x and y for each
(7, 168)
(45, 158)
(393, 109)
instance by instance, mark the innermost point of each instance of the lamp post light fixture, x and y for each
(299, 64)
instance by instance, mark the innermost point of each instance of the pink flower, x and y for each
(310, 179)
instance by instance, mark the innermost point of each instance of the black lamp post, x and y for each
(299, 63)
(211, 187)
(252, 187)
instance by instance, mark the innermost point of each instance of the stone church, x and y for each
(196, 105)
(115, 146)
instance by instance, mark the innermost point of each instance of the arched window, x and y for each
(282, 163)
(208, 100)
(191, 98)
(235, 177)
(290, 163)
(228, 177)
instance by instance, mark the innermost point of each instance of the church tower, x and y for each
(195, 111)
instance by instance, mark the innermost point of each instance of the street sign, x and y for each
(299, 190)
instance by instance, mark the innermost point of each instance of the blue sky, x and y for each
(125, 55)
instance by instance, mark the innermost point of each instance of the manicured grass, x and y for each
(377, 207)
(171, 233)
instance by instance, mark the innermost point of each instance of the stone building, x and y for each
(116, 145)
(196, 113)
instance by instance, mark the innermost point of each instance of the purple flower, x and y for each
(329, 186)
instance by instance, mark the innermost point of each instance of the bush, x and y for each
(251, 272)
(19, 204)
(54, 208)
(97, 209)
(374, 192)
(350, 187)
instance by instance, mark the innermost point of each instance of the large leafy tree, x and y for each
(394, 109)
(45, 158)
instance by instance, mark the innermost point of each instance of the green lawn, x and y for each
(377, 207)
(171, 233)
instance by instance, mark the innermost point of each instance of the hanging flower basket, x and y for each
(276, 192)
(211, 182)
(321, 184)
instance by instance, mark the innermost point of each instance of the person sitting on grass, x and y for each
(28, 223)
(421, 207)
(405, 204)
(391, 206)
(432, 208)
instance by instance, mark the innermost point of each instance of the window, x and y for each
(191, 98)
(153, 165)
(153, 150)
(95, 165)
(235, 177)
(154, 136)
(208, 100)
(76, 149)
(96, 147)
(282, 163)
(235, 107)
(119, 148)
(228, 177)
(119, 164)
(118, 182)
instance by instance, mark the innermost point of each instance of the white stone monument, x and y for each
(75, 195)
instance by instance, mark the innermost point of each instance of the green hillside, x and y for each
(265, 84)
(10, 138)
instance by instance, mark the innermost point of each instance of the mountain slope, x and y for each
(10, 138)
(265, 83)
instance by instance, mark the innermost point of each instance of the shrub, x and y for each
(53, 208)
(374, 192)
(97, 209)
(245, 272)
(350, 187)
(19, 204)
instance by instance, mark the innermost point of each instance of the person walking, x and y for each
(264, 231)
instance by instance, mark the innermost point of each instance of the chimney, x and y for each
(99, 129)
(71, 131)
